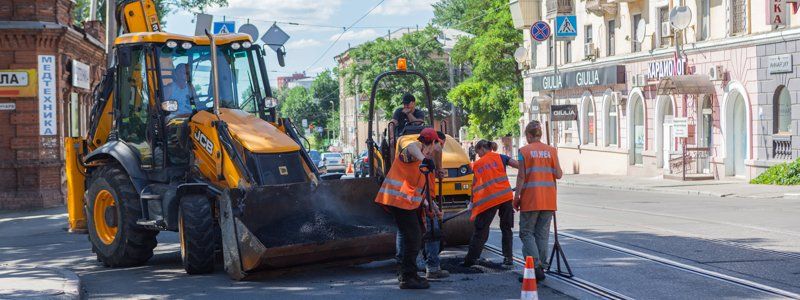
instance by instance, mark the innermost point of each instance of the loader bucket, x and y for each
(298, 224)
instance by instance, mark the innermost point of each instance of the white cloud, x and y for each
(353, 35)
(280, 10)
(403, 7)
(303, 43)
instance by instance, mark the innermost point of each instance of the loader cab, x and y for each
(162, 80)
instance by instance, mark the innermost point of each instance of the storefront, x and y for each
(46, 64)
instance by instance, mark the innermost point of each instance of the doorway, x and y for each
(739, 136)
(665, 143)
(638, 131)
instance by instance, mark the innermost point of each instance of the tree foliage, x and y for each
(325, 89)
(164, 7)
(423, 53)
(491, 95)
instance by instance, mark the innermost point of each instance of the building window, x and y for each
(664, 30)
(636, 46)
(611, 122)
(567, 52)
(588, 121)
(738, 16)
(782, 111)
(550, 52)
(588, 41)
(704, 17)
(612, 24)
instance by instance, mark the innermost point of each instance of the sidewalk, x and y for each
(716, 188)
(38, 282)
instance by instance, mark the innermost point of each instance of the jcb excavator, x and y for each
(455, 189)
(184, 136)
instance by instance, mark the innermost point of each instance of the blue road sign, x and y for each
(540, 31)
(566, 26)
(224, 27)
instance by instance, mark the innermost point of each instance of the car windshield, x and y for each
(332, 155)
(314, 155)
(186, 77)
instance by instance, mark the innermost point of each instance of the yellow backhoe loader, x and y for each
(455, 189)
(184, 136)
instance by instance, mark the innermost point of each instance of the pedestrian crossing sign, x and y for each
(224, 27)
(566, 26)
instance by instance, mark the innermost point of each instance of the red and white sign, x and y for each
(777, 12)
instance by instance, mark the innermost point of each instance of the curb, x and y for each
(71, 287)
(648, 189)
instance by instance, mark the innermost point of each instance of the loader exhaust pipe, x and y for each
(214, 71)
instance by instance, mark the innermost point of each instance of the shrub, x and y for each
(781, 174)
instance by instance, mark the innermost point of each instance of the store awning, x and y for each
(686, 85)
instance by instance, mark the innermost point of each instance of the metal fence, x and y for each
(782, 147)
(692, 162)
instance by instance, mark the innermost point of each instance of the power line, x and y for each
(341, 34)
(303, 24)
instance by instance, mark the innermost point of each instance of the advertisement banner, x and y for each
(47, 95)
(18, 83)
(568, 112)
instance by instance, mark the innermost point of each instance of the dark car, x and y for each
(316, 157)
(361, 165)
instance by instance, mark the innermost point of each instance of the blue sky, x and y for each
(308, 42)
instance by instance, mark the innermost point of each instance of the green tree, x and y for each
(491, 94)
(325, 90)
(164, 7)
(423, 53)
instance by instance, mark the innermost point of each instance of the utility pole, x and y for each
(92, 11)
(452, 105)
(355, 118)
(111, 30)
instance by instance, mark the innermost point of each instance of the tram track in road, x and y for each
(772, 291)
(586, 286)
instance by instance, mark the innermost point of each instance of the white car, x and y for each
(333, 162)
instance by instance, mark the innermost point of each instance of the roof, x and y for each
(695, 84)
(162, 37)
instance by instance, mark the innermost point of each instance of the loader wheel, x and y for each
(196, 230)
(112, 207)
(458, 231)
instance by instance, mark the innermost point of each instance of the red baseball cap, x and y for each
(429, 135)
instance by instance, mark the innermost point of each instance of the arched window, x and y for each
(782, 111)
(588, 121)
(612, 122)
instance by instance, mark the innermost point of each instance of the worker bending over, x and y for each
(536, 195)
(402, 192)
(491, 194)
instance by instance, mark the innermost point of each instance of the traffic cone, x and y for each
(350, 168)
(529, 281)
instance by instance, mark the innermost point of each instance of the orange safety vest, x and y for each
(539, 188)
(491, 186)
(404, 186)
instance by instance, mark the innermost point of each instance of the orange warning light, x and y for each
(401, 64)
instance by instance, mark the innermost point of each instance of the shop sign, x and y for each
(583, 78)
(47, 95)
(680, 127)
(778, 64)
(666, 68)
(80, 75)
(18, 83)
(568, 112)
(777, 12)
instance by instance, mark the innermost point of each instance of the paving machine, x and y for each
(455, 189)
(184, 136)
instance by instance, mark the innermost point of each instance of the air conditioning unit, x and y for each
(589, 50)
(715, 73)
(666, 29)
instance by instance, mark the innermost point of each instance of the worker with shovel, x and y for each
(403, 192)
(491, 194)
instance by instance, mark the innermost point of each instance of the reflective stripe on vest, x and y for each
(403, 186)
(491, 184)
(539, 184)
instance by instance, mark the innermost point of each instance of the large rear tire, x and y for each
(458, 231)
(112, 208)
(197, 234)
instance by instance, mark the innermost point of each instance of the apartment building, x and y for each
(729, 79)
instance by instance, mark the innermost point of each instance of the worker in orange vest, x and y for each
(403, 194)
(491, 194)
(536, 195)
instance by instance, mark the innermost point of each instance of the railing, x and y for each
(782, 147)
(692, 162)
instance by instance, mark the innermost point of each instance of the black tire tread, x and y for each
(198, 234)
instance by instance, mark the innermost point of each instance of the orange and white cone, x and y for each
(349, 168)
(529, 281)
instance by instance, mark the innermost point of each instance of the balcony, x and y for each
(525, 12)
(606, 8)
(782, 147)
(559, 7)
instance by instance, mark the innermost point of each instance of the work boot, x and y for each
(414, 282)
(508, 262)
(437, 274)
(468, 263)
(539, 274)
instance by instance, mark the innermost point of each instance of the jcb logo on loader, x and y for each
(204, 141)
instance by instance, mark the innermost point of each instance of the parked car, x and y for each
(361, 165)
(333, 162)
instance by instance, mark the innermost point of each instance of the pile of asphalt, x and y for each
(315, 228)
(453, 265)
